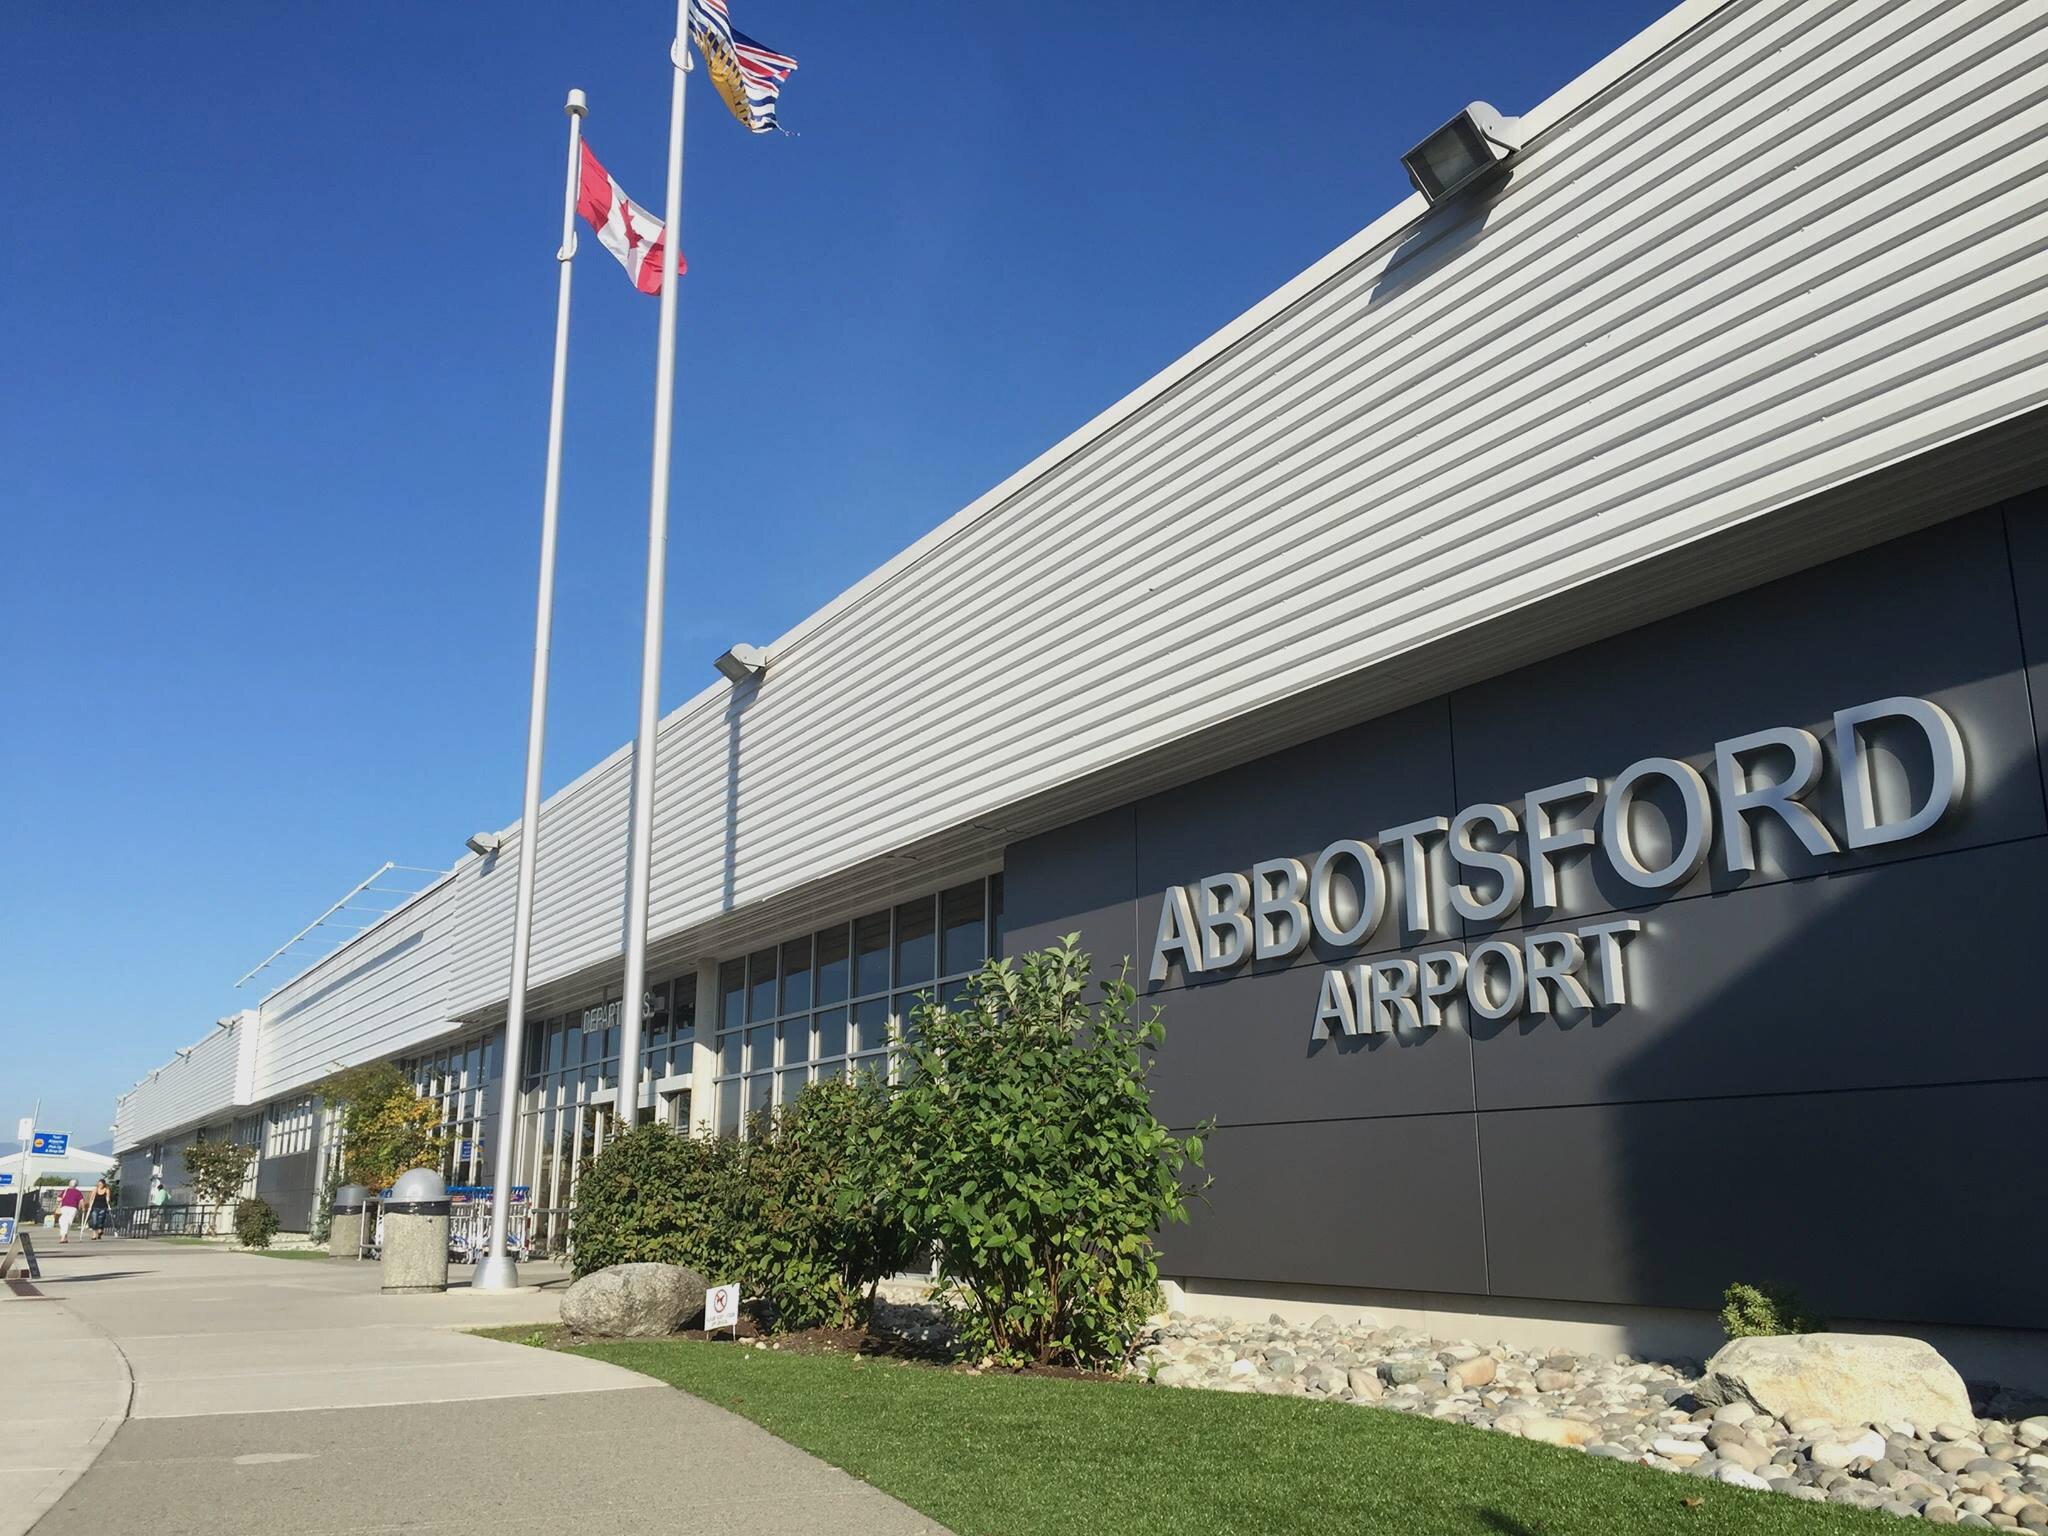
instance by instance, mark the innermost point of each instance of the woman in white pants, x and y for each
(67, 1210)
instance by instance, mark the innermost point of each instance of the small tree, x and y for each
(218, 1169)
(1025, 1146)
(386, 1127)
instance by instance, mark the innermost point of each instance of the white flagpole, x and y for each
(641, 850)
(498, 1271)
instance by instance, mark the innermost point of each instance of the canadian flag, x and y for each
(623, 227)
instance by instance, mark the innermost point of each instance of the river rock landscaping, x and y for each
(1987, 1471)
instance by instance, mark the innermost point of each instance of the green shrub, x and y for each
(790, 1212)
(811, 1239)
(656, 1196)
(255, 1223)
(1024, 1145)
(1758, 1311)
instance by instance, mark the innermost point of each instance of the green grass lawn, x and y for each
(285, 1253)
(1002, 1455)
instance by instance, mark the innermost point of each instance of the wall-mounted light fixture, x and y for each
(743, 663)
(483, 844)
(1474, 142)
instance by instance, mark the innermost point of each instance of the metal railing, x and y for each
(170, 1220)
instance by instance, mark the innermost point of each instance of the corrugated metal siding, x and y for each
(186, 1090)
(1801, 242)
(376, 996)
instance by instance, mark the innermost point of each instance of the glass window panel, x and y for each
(732, 993)
(796, 976)
(760, 1090)
(796, 1040)
(729, 1106)
(871, 954)
(760, 985)
(729, 1046)
(834, 965)
(871, 1024)
(832, 1032)
(906, 1008)
(951, 993)
(916, 943)
(793, 1083)
(682, 1015)
(557, 1046)
(963, 929)
(995, 914)
(760, 1048)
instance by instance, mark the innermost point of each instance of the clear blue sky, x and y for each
(277, 298)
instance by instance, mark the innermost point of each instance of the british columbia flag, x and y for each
(748, 76)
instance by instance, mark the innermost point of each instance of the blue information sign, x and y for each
(6, 1181)
(6, 1231)
(465, 1150)
(50, 1143)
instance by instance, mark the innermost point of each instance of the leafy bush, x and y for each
(811, 1238)
(386, 1127)
(1758, 1311)
(791, 1212)
(255, 1223)
(1025, 1146)
(218, 1169)
(656, 1196)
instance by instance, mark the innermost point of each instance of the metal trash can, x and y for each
(345, 1222)
(416, 1233)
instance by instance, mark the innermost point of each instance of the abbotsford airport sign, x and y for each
(1339, 899)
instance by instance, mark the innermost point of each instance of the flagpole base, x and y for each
(496, 1274)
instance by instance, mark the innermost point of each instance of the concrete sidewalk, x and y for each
(163, 1389)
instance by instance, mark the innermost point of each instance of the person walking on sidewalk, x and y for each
(67, 1210)
(99, 1209)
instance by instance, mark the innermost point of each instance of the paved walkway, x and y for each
(154, 1390)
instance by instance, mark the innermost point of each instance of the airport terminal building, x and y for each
(1544, 701)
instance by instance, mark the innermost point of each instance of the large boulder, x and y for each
(633, 1301)
(1844, 1378)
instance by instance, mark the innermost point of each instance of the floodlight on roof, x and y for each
(1471, 144)
(743, 663)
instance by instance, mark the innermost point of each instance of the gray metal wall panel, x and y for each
(1396, 1200)
(1930, 615)
(287, 1182)
(1240, 1053)
(1838, 1194)
(1076, 879)
(2026, 536)
(1910, 972)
